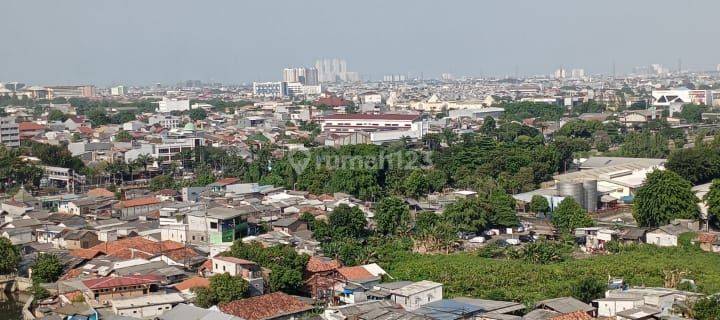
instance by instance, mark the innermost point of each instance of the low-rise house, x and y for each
(596, 238)
(80, 239)
(131, 209)
(15, 208)
(667, 235)
(709, 242)
(642, 303)
(565, 305)
(18, 236)
(248, 270)
(104, 289)
(277, 305)
(190, 312)
(218, 225)
(50, 234)
(370, 310)
(417, 294)
(186, 285)
(149, 306)
(289, 225)
(494, 306)
(632, 235)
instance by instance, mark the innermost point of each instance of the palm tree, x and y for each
(144, 160)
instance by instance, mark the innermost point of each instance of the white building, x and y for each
(420, 293)
(177, 141)
(666, 98)
(248, 270)
(165, 121)
(9, 132)
(173, 104)
(147, 306)
(268, 89)
(118, 91)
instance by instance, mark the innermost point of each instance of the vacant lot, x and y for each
(465, 274)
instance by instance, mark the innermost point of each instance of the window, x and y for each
(213, 225)
(223, 268)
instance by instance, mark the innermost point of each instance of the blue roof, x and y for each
(447, 310)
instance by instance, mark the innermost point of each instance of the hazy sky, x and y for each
(145, 41)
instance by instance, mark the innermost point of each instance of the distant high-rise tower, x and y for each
(332, 70)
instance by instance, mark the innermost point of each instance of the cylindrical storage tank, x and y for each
(572, 189)
(591, 195)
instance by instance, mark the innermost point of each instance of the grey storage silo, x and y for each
(572, 189)
(591, 195)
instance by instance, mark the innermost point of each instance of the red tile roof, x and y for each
(100, 192)
(85, 130)
(30, 126)
(265, 307)
(577, 315)
(138, 245)
(86, 254)
(227, 181)
(322, 264)
(357, 273)
(112, 282)
(707, 237)
(193, 282)
(138, 202)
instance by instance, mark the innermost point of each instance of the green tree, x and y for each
(692, 113)
(56, 115)
(197, 114)
(489, 126)
(569, 215)
(47, 268)
(539, 204)
(698, 164)
(707, 308)
(228, 288)
(664, 197)
(589, 289)
(712, 199)
(204, 297)
(416, 185)
(123, 136)
(545, 252)
(346, 221)
(392, 215)
(145, 160)
(645, 145)
(282, 260)
(466, 215)
(162, 182)
(10, 256)
(501, 210)
(223, 289)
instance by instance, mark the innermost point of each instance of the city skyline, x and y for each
(131, 44)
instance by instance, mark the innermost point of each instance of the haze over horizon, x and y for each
(143, 42)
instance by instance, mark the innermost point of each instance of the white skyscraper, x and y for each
(331, 70)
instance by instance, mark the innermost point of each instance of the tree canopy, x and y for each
(392, 215)
(569, 215)
(664, 197)
(47, 268)
(10, 256)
